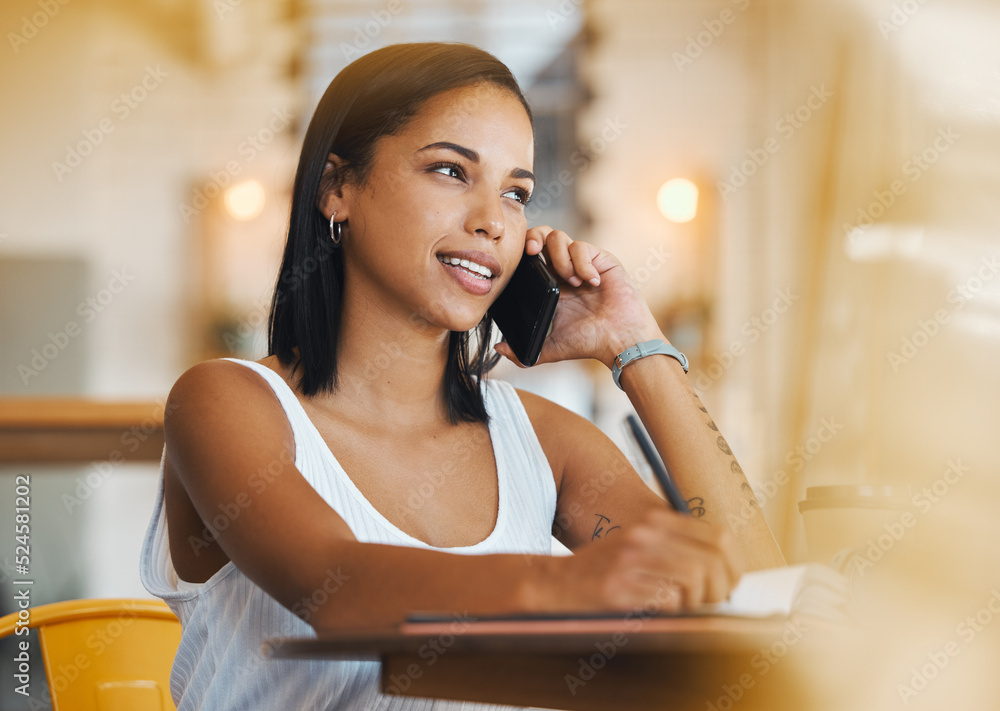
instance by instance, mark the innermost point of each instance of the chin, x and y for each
(466, 326)
(462, 322)
(456, 316)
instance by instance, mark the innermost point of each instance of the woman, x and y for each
(345, 479)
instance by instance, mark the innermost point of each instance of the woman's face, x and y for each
(450, 187)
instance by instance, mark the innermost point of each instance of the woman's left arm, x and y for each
(600, 315)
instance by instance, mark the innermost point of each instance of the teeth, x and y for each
(471, 266)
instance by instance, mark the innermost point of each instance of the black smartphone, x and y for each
(524, 310)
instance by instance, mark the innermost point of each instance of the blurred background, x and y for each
(806, 193)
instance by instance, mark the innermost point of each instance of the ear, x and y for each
(330, 198)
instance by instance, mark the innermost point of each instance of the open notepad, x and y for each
(812, 589)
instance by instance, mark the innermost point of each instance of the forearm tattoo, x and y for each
(697, 504)
(751, 496)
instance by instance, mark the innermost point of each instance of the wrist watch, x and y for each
(641, 350)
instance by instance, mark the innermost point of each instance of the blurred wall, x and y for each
(119, 118)
(121, 112)
(849, 332)
(798, 119)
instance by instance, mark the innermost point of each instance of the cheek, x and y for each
(516, 234)
(517, 222)
(424, 217)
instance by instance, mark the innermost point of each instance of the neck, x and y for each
(391, 366)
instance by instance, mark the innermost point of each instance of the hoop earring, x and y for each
(335, 230)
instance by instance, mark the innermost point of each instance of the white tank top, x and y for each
(224, 620)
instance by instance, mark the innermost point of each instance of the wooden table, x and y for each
(53, 430)
(697, 663)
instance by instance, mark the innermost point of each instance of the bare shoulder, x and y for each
(227, 441)
(220, 376)
(547, 417)
(227, 402)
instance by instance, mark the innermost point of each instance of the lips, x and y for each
(473, 271)
(467, 264)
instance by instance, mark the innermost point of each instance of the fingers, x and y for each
(717, 541)
(534, 239)
(573, 261)
(582, 255)
(503, 349)
(684, 562)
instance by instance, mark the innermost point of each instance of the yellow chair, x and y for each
(105, 655)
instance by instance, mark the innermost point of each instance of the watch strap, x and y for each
(643, 349)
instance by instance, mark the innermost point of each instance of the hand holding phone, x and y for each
(524, 310)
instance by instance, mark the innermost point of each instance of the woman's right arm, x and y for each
(229, 445)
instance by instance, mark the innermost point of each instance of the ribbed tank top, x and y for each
(224, 620)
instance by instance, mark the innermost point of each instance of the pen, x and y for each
(659, 471)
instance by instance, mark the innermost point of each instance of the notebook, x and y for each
(810, 589)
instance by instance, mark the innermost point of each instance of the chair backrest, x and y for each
(105, 655)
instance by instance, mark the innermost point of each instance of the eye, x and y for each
(452, 170)
(519, 194)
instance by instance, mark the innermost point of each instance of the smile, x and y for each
(477, 269)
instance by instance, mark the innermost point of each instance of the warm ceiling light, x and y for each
(678, 200)
(244, 201)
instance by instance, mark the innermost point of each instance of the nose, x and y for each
(485, 216)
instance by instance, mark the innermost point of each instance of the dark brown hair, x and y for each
(374, 96)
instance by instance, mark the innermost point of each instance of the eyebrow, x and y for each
(472, 156)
